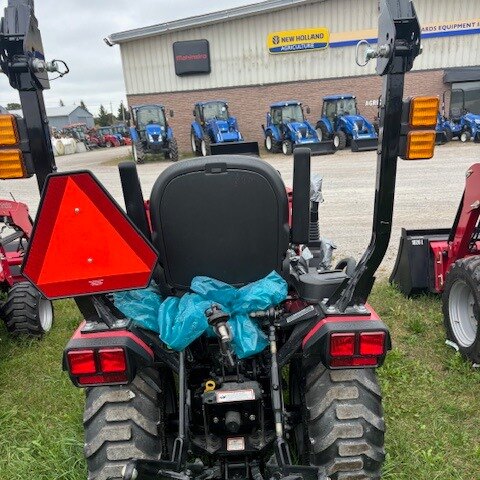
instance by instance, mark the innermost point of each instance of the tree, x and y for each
(14, 106)
(104, 118)
(82, 104)
(123, 113)
(61, 103)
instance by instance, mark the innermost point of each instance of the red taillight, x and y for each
(342, 344)
(354, 362)
(112, 360)
(357, 349)
(372, 343)
(81, 362)
(104, 378)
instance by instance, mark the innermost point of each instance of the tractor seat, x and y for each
(224, 217)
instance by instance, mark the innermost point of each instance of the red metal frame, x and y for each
(16, 215)
(459, 244)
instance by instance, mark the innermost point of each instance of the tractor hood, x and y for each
(225, 130)
(154, 132)
(303, 129)
(472, 117)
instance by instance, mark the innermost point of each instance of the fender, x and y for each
(198, 130)
(169, 133)
(134, 134)
(273, 129)
(325, 121)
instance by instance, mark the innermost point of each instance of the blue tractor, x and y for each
(287, 129)
(462, 123)
(341, 122)
(215, 132)
(151, 133)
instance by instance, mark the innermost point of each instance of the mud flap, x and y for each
(413, 271)
(319, 148)
(235, 148)
(364, 144)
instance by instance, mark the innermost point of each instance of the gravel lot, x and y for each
(428, 192)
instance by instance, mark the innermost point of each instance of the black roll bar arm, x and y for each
(398, 46)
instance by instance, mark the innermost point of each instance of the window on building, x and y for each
(468, 90)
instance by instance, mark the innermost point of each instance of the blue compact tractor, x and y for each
(342, 123)
(215, 132)
(287, 129)
(150, 133)
(462, 123)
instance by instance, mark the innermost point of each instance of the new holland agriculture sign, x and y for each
(298, 40)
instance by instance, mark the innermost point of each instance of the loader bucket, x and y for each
(364, 144)
(413, 271)
(235, 148)
(319, 148)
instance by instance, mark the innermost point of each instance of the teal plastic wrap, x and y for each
(180, 321)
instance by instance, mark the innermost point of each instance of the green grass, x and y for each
(432, 400)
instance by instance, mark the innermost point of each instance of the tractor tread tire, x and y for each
(342, 139)
(324, 130)
(276, 146)
(140, 157)
(20, 311)
(208, 144)
(345, 424)
(121, 423)
(288, 147)
(467, 270)
(173, 150)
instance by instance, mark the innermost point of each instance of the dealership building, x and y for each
(277, 50)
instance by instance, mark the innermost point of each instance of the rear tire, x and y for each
(343, 427)
(173, 150)
(342, 139)
(271, 145)
(194, 143)
(461, 307)
(27, 312)
(122, 423)
(322, 132)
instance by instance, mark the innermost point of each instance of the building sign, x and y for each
(298, 40)
(191, 57)
(429, 30)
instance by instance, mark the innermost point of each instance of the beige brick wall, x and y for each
(250, 104)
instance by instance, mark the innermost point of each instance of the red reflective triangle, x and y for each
(83, 243)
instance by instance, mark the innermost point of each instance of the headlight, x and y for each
(150, 138)
(477, 122)
(299, 135)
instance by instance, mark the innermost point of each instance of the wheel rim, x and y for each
(108, 145)
(45, 314)
(463, 137)
(320, 134)
(204, 148)
(268, 143)
(194, 143)
(461, 310)
(336, 141)
(285, 148)
(135, 156)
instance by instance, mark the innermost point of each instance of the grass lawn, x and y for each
(432, 400)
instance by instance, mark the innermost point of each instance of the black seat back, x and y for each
(225, 217)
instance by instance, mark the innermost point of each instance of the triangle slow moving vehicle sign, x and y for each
(83, 243)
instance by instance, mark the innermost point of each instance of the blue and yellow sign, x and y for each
(298, 40)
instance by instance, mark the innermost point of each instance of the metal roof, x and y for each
(205, 19)
(201, 104)
(285, 103)
(64, 111)
(343, 96)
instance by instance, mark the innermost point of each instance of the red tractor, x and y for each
(25, 311)
(185, 398)
(447, 262)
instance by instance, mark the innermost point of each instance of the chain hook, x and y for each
(370, 52)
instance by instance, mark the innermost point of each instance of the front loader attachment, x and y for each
(414, 270)
(364, 144)
(235, 148)
(318, 148)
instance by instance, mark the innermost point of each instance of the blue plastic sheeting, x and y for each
(180, 321)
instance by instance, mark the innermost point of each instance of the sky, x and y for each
(73, 30)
